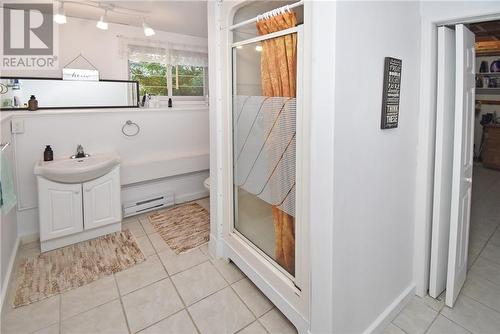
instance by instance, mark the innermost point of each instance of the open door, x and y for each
(443, 162)
(462, 162)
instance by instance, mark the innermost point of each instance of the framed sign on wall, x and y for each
(77, 74)
(391, 93)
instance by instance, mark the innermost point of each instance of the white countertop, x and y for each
(7, 115)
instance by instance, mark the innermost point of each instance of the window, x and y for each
(161, 75)
(188, 80)
(152, 77)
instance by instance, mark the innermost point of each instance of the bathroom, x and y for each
(113, 137)
(231, 166)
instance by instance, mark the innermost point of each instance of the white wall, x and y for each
(102, 48)
(178, 138)
(171, 143)
(375, 169)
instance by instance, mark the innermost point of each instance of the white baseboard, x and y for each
(391, 311)
(191, 196)
(8, 274)
(26, 239)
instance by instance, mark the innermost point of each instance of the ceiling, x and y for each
(487, 37)
(486, 31)
(184, 17)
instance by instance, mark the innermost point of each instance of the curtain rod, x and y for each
(293, 5)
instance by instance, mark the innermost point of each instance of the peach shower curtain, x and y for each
(278, 78)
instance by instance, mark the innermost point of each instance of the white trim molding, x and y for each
(8, 274)
(383, 320)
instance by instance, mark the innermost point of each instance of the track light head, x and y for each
(60, 16)
(148, 31)
(103, 21)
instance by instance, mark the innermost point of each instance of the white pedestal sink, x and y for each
(78, 199)
(77, 170)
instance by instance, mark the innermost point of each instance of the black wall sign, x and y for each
(392, 89)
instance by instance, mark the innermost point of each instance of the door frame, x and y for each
(280, 289)
(424, 186)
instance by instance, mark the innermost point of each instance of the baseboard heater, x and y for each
(148, 204)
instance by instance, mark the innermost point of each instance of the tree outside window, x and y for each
(169, 80)
(188, 80)
(152, 77)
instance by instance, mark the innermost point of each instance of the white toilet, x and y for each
(206, 183)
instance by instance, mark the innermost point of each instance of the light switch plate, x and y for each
(17, 126)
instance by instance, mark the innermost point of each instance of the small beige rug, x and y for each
(70, 267)
(182, 227)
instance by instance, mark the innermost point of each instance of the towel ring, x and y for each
(132, 134)
(3, 88)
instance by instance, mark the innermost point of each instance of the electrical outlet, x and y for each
(17, 126)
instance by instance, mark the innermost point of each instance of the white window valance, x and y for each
(147, 53)
(183, 57)
(163, 52)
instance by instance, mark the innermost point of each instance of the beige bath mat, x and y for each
(53, 272)
(182, 227)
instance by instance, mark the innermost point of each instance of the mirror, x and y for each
(58, 93)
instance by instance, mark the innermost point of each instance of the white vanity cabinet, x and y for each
(101, 200)
(73, 212)
(61, 211)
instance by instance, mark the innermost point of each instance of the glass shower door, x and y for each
(264, 151)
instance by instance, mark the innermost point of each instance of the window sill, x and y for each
(7, 115)
(162, 102)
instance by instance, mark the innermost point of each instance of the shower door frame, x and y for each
(289, 293)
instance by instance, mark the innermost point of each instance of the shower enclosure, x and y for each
(264, 146)
(264, 155)
(265, 152)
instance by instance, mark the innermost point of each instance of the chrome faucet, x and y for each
(79, 153)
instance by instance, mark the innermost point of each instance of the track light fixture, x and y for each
(60, 16)
(103, 21)
(148, 31)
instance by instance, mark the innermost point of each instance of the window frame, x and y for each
(203, 99)
(187, 97)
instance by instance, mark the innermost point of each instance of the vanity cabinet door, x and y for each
(60, 208)
(101, 200)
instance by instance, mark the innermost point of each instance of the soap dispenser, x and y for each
(48, 154)
(32, 103)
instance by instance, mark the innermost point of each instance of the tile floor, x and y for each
(168, 293)
(477, 309)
